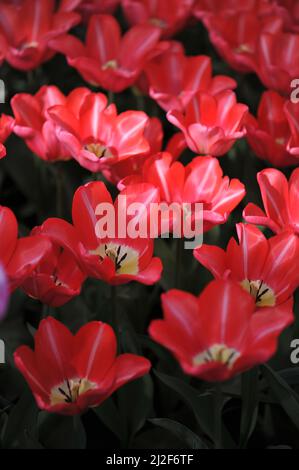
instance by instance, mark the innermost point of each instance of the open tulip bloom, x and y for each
(109, 60)
(219, 334)
(267, 269)
(190, 75)
(201, 181)
(170, 16)
(211, 124)
(281, 202)
(26, 31)
(69, 374)
(113, 259)
(94, 134)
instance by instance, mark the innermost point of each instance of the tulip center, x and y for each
(262, 294)
(110, 65)
(280, 141)
(217, 353)
(99, 150)
(244, 49)
(125, 259)
(28, 45)
(70, 390)
(158, 22)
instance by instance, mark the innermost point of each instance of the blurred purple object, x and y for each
(4, 293)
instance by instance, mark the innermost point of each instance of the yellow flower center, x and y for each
(262, 294)
(111, 64)
(70, 390)
(217, 353)
(244, 48)
(124, 258)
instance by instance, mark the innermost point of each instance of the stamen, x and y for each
(217, 353)
(263, 294)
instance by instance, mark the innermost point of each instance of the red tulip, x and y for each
(281, 202)
(219, 334)
(270, 133)
(93, 7)
(94, 134)
(267, 269)
(109, 60)
(278, 61)
(19, 257)
(34, 125)
(57, 278)
(205, 8)
(6, 128)
(292, 113)
(68, 374)
(211, 124)
(115, 259)
(236, 36)
(201, 181)
(4, 292)
(27, 30)
(153, 133)
(174, 78)
(289, 11)
(170, 16)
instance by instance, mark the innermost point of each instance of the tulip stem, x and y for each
(179, 261)
(59, 177)
(218, 404)
(110, 97)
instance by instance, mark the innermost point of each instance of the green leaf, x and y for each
(61, 432)
(109, 415)
(250, 402)
(287, 398)
(202, 406)
(183, 433)
(21, 427)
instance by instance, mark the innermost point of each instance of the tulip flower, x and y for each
(280, 199)
(269, 134)
(219, 334)
(108, 59)
(291, 110)
(19, 257)
(267, 269)
(69, 373)
(56, 279)
(27, 30)
(6, 128)
(205, 8)
(278, 61)
(33, 124)
(201, 181)
(116, 258)
(153, 133)
(289, 11)
(94, 7)
(170, 16)
(236, 36)
(174, 91)
(94, 134)
(4, 292)
(211, 124)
